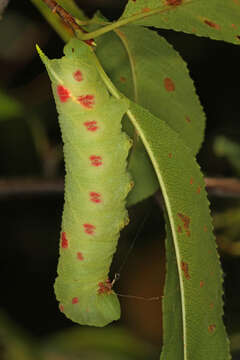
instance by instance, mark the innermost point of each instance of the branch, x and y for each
(67, 18)
(219, 187)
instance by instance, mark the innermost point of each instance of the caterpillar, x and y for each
(96, 185)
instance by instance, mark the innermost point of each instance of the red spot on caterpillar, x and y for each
(146, 10)
(96, 160)
(89, 228)
(199, 189)
(188, 119)
(212, 24)
(64, 241)
(191, 181)
(201, 283)
(211, 328)
(184, 267)
(63, 93)
(89, 42)
(87, 101)
(188, 233)
(61, 308)
(80, 256)
(170, 155)
(91, 125)
(74, 300)
(95, 197)
(169, 84)
(105, 287)
(78, 75)
(174, 2)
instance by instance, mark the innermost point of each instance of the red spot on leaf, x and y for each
(89, 229)
(74, 300)
(78, 75)
(174, 2)
(211, 328)
(96, 160)
(184, 267)
(87, 101)
(185, 219)
(179, 229)
(61, 308)
(91, 125)
(64, 241)
(80, 256)
(201, 283)
(63, 93)
(122, 79)
(212, 24)
(95, 197)
(169, 84)
(188, 119)
(191, 181)
(105, 287)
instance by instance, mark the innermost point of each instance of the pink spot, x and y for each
(80, 256)
(64, 241)
(61, 308)
(105, 287)
(89, 228)
(91, 125)
(95, 197)
(86, 101)
(96, 160)
(211, 328)
(169, 84)
(74, 300)
(78, 75)
(63, 93)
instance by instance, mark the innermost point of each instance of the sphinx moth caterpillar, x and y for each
(96, 185)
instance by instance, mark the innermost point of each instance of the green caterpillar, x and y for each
(96, 185)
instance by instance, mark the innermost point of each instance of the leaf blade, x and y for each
(199, 272)
(217, 19)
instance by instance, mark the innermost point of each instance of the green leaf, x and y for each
(197, 262)
(142, 70)
(9, 107)
(217, 19)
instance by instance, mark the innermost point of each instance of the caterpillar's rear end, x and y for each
(96, 185)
